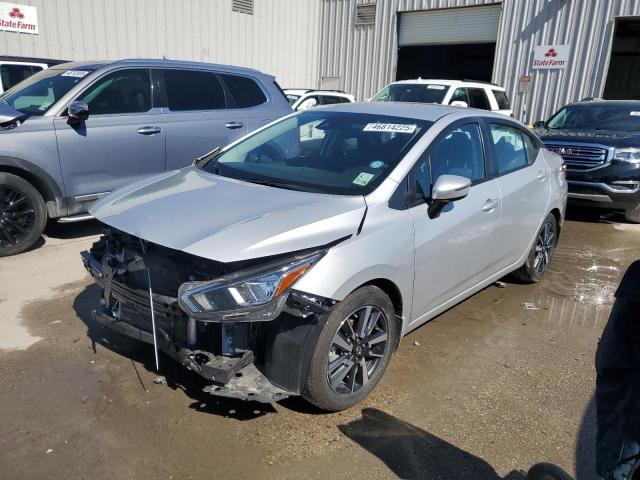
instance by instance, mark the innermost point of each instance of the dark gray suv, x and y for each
(72, 133)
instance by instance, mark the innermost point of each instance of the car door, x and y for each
(122, 140)
(523, 177)
(198, 115)
(457, 249)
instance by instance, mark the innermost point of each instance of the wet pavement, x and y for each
(492, 386)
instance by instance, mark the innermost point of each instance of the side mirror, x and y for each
(539, 123)
(307, 104)
(447, 188)
(77, 112)
(459, 103)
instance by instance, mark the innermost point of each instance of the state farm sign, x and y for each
(550, 56)
(18, 18)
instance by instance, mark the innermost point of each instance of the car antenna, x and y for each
(202, 161)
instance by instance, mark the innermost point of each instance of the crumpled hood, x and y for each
(8, 114)
(225, 219)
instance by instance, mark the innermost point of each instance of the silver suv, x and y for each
(74, 132)
(294, 260)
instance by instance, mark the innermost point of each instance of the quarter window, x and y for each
(501, 99)
(122, 91)
(244, 90)
(193, 90)
(478, 99)
(509, 147)
(460, 153)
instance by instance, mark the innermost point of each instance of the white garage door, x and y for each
(453, 25)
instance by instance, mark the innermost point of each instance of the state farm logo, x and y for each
(551, 53)
(18, 18)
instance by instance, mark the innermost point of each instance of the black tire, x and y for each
(532, 270)
(547, 471)
(633, 215)
(23, 215)
(371, 306)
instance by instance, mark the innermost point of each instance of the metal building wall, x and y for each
(280, 38)
(365, 56)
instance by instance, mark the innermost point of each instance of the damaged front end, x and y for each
(239, 325)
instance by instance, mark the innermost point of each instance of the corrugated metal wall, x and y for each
(364, 57)
(280, 38)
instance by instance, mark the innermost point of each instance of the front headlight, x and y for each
(251, 295)
(631, 155)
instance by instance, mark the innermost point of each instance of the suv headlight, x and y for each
(631, 155)
(249, 296)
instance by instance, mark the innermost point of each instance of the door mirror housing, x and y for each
(307, 104)
(77, 112)
(539, 123)
(448, 188)
(459, 103)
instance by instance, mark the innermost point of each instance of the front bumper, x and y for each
(255, 370)
(615, 186)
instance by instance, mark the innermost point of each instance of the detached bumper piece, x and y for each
(258, 361)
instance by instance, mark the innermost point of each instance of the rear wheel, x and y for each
(541, 253)
(633, 215)
(353, 350)
(23, 215)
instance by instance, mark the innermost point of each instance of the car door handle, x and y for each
(149, 130)
(490, 205)
(234, 125)
(542, 176)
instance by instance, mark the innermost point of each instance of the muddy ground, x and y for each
(483, 391)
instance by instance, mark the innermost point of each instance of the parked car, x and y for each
(319, 251)
(600, 143)
(304, 99)
(74, 132)
(459, 93)
(13, 70)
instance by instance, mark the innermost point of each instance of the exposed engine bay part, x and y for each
(256, 360)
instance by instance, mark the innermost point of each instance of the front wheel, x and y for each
(353, 350)
(23, 215)
(541, 253)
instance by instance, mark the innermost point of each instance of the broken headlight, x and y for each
(250, 295)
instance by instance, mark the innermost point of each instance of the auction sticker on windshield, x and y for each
(75, 73)
(389, 127)
(363, 178)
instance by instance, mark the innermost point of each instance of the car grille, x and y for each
(580, 157)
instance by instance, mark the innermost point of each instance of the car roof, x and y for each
(470, 83)
(94, 65)
(599, 101)
(418, 111)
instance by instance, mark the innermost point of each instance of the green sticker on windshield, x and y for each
(363, 178)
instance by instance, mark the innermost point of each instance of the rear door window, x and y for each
(509, 145)
(478, 98)
(330, 99)
(13, 74)
(193, 90)
(501, 98)
(119, 92)
(244, 90)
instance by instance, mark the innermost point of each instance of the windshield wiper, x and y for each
(277, 184)
(202, 161)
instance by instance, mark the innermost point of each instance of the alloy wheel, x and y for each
(357, 350)
(17, 216)
(544, 248)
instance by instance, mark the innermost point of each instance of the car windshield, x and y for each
(36, 94)
(597, 116)
(327, 152)
(412, 92)
(291, 98)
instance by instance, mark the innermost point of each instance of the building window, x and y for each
(242, 6)
(366, 14)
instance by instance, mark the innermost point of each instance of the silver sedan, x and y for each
(292, 261)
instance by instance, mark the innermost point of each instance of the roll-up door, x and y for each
(450, 26)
